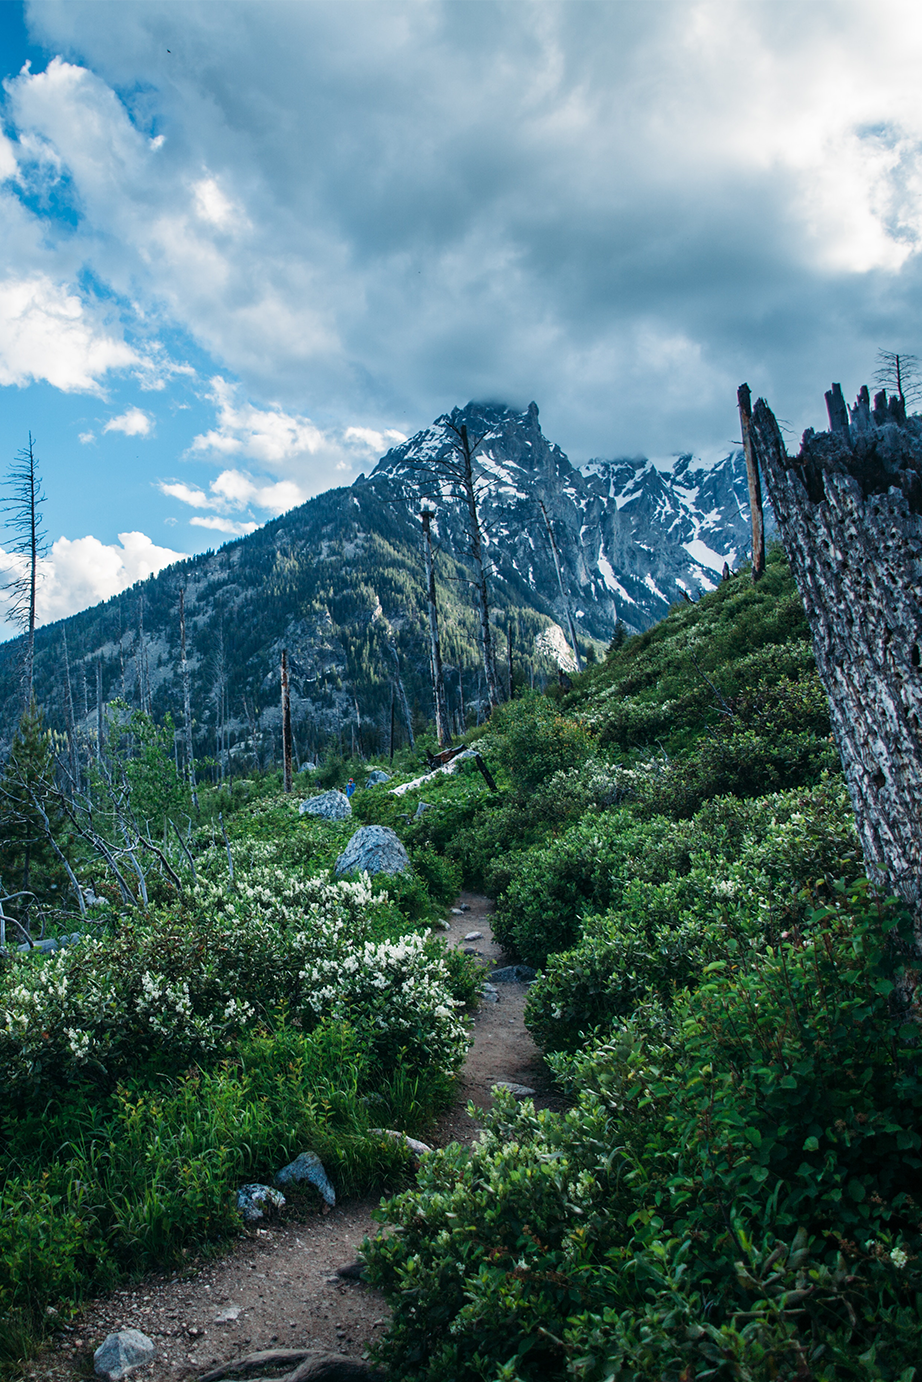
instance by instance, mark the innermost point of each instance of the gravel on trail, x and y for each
(277, 1286)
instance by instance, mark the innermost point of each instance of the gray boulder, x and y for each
(518, 1091)
(376, 777)
(513, 974)
(421, 809)
(121, 1353)
(308, 1166)
(254, 1201)
(373, 849)
(332, 806)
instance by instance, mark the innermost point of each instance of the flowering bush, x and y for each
(176, 988)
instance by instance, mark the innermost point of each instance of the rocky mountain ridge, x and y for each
(338, 582)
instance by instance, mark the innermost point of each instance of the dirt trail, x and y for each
(278, 1285)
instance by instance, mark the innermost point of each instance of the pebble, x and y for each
(474, 936)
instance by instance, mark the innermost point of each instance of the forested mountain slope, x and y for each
(339, 582)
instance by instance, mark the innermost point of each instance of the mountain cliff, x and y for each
(339, 583)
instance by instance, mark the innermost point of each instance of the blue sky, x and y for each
(246, 246)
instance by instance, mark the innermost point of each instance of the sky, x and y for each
(247, 246)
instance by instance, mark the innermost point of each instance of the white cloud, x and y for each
(270, 436)
(86, 437)
(133, 422)
(185, 494)
(212, 205)
(239, 489)
(49, 333)
(82, 571)
(225, 525)
(235, 490)
(378, 442)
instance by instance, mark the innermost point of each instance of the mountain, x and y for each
(339, 583)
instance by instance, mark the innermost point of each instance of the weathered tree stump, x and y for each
(849, 510)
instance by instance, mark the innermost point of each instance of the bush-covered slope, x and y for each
(736, 1192)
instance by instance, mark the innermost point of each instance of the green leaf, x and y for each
(811, 1145)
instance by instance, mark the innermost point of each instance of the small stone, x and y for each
(421, 809)
(469, 950)
(308, 1166)
(474, 936)
(518, 1091)
(377, 776)
(255, 1200)
(353, 1271)
(227, 1316)
(411, 1143)
(490, 996)
(465, 907)
(121, 1353)
(456, 912)
(332, 806)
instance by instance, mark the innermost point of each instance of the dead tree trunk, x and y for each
(468, 485)
(186, 696)
(560, 585)
(849, 509)
(744, 399)
(402, 696)
(100, 725)
(435, 647)
(286, 724)
(70, 719)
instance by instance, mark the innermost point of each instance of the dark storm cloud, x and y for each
(621, 210)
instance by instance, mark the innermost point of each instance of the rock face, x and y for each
(332, 806)
(632, 535)
(373, 849)
(254, 1201)
(307, 1166)
(121, 1353)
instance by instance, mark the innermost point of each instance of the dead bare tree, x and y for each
(186, 697)
(900, 376)
(849, 510)
(744, 402)
(435, 647)
(286, 723)
(560, 585)
(22, 503)
(454, 473)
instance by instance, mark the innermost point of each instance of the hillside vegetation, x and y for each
(735, 1189)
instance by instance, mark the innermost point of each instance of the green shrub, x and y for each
(737, 1191)
(754, 868)
(532, 740)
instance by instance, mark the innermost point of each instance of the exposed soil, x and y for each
(277, 1287)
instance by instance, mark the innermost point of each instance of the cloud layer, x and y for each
(368, 212)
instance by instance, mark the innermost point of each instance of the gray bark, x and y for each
(286, 724)
(186, 697)
(563, 594)
(435, 647)
(849, 510)
(744, 400)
